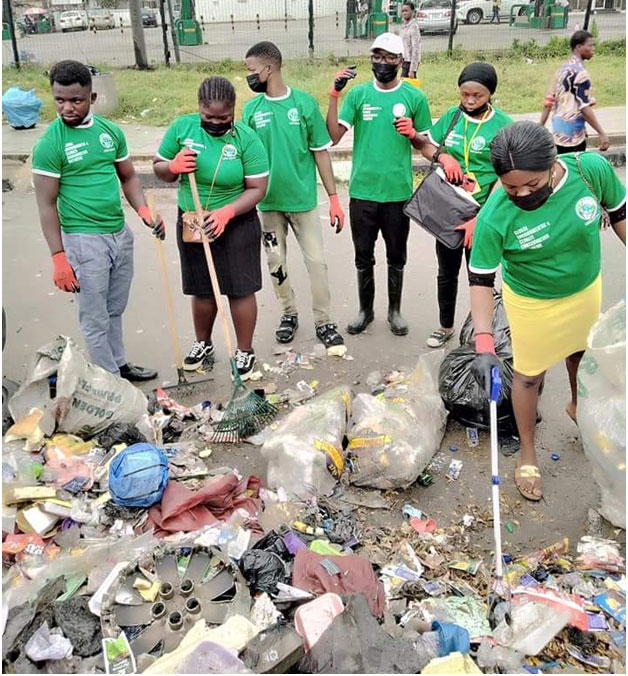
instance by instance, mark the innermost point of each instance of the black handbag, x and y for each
(438, 206)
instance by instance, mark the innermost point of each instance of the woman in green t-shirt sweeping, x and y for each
(543, 227)
(231, 169)
(469, 129)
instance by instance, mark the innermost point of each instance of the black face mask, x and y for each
(216, 129)
(476, 111)
(256, 84)
(535, 199)
(384, 72)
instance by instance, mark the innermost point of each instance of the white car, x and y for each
(474, 11)
(434, 16)
(73, 21)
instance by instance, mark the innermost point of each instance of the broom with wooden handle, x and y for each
(246, 413)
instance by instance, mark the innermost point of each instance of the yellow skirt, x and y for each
(545, 331)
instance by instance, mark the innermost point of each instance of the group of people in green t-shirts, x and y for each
(540, 217)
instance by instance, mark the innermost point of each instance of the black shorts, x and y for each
(580, 148)
(236, 255)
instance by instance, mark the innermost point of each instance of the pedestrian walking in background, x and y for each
(232, 175)
(387, 116)
(291, 127)
(411, 36)
(496, 9)
(351, 24)
(79, 165)
(569, 100)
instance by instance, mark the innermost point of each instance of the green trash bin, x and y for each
(189, 32)
(6, 31)
(379, 23)
(558, 16)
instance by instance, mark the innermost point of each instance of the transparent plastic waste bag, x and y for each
(602, 409)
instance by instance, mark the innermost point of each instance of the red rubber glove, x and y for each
(216, 221)
(63, 274)
(184, 162)
(336, 214)
(468, 227)
(157, 226)
(453, 170)
(340, 81)
(405, 128)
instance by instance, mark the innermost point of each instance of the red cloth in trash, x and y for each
(182, 509)
(356, 576)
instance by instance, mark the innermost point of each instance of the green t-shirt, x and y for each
(477, 135)
(553, 251)
(83, 159)
(243, 156)
(290, 127)
(382, 158)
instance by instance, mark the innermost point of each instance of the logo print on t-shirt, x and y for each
(399, 110)
(587, 209)
(478, 144)
(293, 116)
(106, 141)
(370, 112)
(229, 152)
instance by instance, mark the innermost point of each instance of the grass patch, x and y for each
(156, 97)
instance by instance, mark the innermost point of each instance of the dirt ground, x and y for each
(37, 312)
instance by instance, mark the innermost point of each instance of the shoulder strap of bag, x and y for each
(441, 146)
(605, 217)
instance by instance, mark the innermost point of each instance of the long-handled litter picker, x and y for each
(246, 413)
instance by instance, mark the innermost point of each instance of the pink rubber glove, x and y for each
(468, 227)
(453, 170)
(340, 81)
(549, 101)
(158, 226)
(63, 273)
(336, 214)
(405, 128)
(184, 162)
(216, 221)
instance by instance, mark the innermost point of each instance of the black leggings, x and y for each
(581, 147)
(449, 261)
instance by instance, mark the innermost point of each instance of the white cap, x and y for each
(389, 42)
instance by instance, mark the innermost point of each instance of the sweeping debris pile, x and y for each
(128, 547)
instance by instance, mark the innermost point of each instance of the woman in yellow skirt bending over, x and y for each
(543, 227)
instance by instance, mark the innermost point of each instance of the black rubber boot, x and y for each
(397, 323)
(366, 294)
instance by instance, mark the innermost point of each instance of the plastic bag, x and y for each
(395, 434)
(21, 107)
(461, 394)
(305, 453)
(138, 476)
(88, 399)
(602, 409)
(262, 570)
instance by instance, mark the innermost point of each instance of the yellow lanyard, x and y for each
(467, 144)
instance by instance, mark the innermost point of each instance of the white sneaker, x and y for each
(200, 351)
(439, 337)
(245, 362)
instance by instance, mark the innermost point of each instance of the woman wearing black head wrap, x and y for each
(465, 159)
(543, 226)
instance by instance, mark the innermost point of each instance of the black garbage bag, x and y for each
(355, 643)
(120, 433)
(262, 570)
(461, 394)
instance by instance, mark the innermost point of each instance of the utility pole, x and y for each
(452, 27)
(173, 33)
(310, 32)
(8, 15)
(164, 32)
(137, 30)
(587, 15)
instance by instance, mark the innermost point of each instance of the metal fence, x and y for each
(299, 27)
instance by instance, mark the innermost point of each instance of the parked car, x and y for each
(434, 16)
(73, 21)
(149, 17)
(102, 19)
(474, 11)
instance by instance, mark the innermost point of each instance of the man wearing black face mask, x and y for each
(387, 116)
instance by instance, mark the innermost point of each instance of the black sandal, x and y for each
(287, 328)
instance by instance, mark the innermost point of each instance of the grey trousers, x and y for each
(104, 267)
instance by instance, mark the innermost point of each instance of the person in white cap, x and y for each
(387, 116)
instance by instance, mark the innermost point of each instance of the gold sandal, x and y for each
(527, 472)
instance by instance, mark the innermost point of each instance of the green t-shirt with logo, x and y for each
(382, 158)
(291, 127)
(553, 251)
(83, 159)
(226, 161)
(479, 135)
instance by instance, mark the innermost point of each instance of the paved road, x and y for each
(115, 47)
(36, 313)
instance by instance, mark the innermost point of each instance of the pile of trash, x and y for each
(126, 549)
